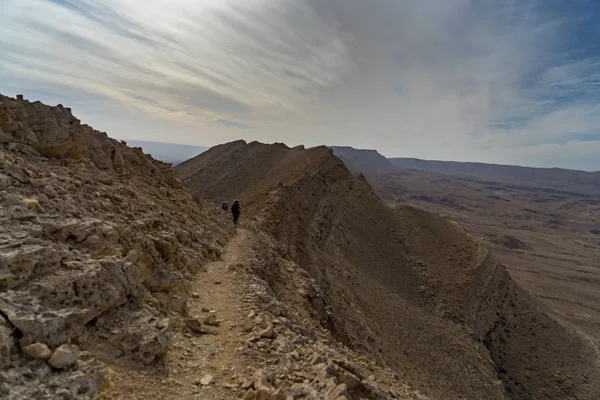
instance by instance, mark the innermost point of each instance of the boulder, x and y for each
(63, 357)
(206, 380)
(37, 351)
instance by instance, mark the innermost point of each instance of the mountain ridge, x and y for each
(362, 257)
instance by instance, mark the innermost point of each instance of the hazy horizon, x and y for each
(502, 82)
(173, 155)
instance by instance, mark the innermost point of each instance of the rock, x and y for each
(230, 385)
(36, 380)
(30, 204)
(145, 338)
(351, 367)
(246, 384)
(317, 359)
(211, 320)
(42, 198)
(17, 173)
(206, 380)
(23, 148)
(302, 391)
(50, 192)
(339, 390)
(194, 324)
(63, 357)
(268, 333)
(37, 351)
(262, 385)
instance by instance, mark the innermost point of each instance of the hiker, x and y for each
(235, 211)
(224, 205)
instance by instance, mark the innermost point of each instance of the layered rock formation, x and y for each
(98, 242)
(406, 287)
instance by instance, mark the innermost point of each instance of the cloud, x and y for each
(483, 80)
(233, 124)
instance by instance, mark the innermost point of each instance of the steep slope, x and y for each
(543, 231)
(406, 287)
(98, 244)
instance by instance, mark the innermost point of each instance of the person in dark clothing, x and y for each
(225, 205)
(235, 211)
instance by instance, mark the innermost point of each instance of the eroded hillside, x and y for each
(542, 224)
(406, 287)
(97, 247)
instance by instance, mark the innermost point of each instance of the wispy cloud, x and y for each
(233, 124)
(451, 79)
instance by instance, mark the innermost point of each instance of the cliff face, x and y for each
(98, 242)
(404, 286)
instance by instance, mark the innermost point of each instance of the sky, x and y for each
(502, 81)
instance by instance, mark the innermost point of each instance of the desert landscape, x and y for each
(542, 224)
(348, 278)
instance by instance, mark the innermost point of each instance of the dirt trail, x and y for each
(220, 291)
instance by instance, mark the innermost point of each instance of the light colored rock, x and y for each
(37, 351)
(339, 390)
(262, 385)
(30, 204)
(63, 357)
(206, 380)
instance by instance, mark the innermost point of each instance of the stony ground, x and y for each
(215, 354)
(232, 345)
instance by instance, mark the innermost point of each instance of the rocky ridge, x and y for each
(411, 290)
(97, 248)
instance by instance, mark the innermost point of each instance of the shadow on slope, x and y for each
(406, 287)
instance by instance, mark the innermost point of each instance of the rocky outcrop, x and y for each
(98, 243)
